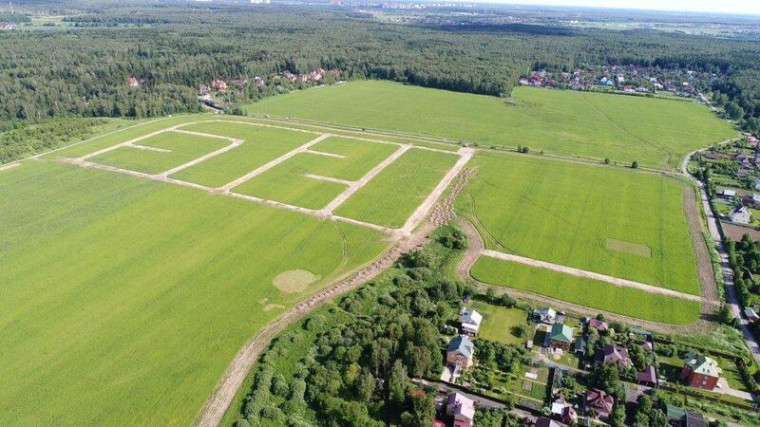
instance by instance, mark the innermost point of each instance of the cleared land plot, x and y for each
(585, 292)
(359, 157)
(399, 189)
(260, 145)
(565, 213)
(286, 183)
(657, 133)
(500, 323)
(122, 300)
(182, 149)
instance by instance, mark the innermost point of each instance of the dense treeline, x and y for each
(178, 46)
(357, 369)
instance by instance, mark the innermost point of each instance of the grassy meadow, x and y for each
(394, 194)
(612, 221)
(182, 149)
(123, 300)
(260, 145)
(359, 157)
(499, 323)
(655, 132)
(589, 293)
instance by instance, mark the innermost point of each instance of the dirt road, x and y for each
(591, 275)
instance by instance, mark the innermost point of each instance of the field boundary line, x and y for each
(591, 275)
(357, 185)
(328, 179)
(322, 153)
(422, 210)
(128, 143)
(282, 159)
(9, 166)
(234, 144)
(149, 148)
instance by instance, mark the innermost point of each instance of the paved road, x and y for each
(728, 275)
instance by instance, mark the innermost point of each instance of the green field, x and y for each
(393, 195)
(123, 300)
(359, 158)
(589, 293)
(499, 323)
(286, 183)
(183, 148)
(657, 133)
(260, 145)
(594, 218)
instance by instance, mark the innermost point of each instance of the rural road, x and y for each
(590, 275)
(728, 275)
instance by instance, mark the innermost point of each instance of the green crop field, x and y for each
(260, 145)
(499, 323)
(656, 132)
(589, 293)
(392, 196)
(123, 300)
(286, 183)
(359, 158)
(183, 148)
(612, 221)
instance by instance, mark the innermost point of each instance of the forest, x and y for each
(80, 69)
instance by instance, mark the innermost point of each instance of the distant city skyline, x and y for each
(734, 7)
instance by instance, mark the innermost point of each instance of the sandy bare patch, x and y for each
(294, 281)
(629, 248)
(9, 166)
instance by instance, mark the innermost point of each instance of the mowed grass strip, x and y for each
(122, 300)
(183, 148)
(286, 183)
(566, 213)
(588, 293)
(394, 194)
(658, 133)
(359, 157)
(260, 145)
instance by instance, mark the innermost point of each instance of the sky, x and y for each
(720, 6)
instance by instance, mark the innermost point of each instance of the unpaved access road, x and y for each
(590, 275)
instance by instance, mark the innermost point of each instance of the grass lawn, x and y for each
(656, 132)
(611, 221)
(123, 300)
(585, 292)
(184, 148)
(359, 158)
(261, 144)
(499, 323)
(286, 183)
(393, 195)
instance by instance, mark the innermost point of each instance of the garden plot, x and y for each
(161, 152)
(289, 168)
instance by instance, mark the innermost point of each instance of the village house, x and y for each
(239, 84)
(203, 90)
(133, 82)
(614, 355)
(677, 417)
(701, 372)
(751, 315)
(470, 321)
(600, 403)
(561, 336)
(461, 408)
(219, 85)
(563, 411)
(599, 325)
(647, 377)
(740, 215)
(580, 345)
(546, 422)
(258, 81)
(459, 353)
(545, 315)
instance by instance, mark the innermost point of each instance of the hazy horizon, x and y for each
(691, 6)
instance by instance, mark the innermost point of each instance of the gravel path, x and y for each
(616, 281)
